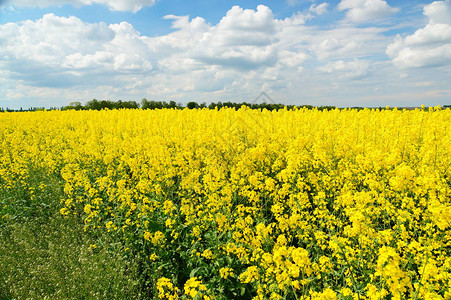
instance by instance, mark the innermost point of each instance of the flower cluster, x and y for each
(227, 204)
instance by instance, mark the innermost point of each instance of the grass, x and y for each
(44, 255)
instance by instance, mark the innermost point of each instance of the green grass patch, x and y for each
(44, 255)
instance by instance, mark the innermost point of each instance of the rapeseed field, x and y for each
(251, 204)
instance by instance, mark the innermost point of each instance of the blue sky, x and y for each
(343, 52)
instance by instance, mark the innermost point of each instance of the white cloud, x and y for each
(246, 27)
(64, 59)
(248, 19)
(55, 52)
(243, 39)
(330, 47)
(59, 51)
(319, 9)
(355, 69)
(429, 46)
(116, 5)
(348, 42)
(292, 59)
(365, 11)
(439, 12)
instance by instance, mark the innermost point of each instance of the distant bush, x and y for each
(146, 104)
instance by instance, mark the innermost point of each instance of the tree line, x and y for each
(95, 104)
(146, 104)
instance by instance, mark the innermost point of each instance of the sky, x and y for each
(346, 53)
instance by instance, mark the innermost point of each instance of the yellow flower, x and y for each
(87, 209)
(250, 275)
(166, 289)
(64, 211)
(208, 254)
(147, 235)
(158, 238)
(193, 287)
(226, 272)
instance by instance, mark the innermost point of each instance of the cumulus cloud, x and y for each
(439, 12)
(429, 46)
(66, 51)
(246, 27)
(355, 69)
(319, 9)
(247, 51)
(331, 46)
(115, 5)
(348, 43)
(365, 11)
(63, 49)
(243, 39)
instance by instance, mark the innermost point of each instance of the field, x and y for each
(226, 204)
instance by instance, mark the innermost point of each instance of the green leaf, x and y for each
(194, 272)
(242, 290)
